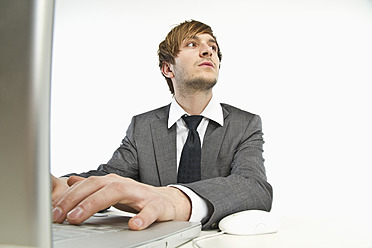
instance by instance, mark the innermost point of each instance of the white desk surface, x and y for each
(299, 233)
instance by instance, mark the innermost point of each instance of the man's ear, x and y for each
(167, 70)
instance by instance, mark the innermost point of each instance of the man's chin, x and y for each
(201, 84)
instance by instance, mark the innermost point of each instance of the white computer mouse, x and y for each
(250, 222)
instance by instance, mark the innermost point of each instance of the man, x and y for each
(147, 173)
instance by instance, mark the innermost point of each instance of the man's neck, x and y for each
(194, 104)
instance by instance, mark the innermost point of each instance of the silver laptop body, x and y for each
(25, 206)
(111, 230)
(25, 58)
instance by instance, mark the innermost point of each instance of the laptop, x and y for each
(25, 207)
(110, 229)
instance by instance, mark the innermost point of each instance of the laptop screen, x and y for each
(25, 61)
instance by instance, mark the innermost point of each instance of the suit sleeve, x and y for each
(123, 162)
(245, 186)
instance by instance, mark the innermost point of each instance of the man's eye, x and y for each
(191, 44)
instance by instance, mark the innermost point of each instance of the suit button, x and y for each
(214, 225)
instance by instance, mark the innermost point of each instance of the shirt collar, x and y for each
(213, 112)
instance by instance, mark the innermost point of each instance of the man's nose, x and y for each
(205, 50)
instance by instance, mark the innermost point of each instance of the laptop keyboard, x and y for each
(67, 231)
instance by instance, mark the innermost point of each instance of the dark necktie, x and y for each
(189, 168)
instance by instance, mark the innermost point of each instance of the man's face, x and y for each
(197, 64)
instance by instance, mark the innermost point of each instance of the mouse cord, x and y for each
(194, 241)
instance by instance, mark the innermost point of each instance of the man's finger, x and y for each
(74, 196)
(74, 179)
(154, 210)
(104, 197)
(144, 218)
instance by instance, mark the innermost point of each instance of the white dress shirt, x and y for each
(200, 207)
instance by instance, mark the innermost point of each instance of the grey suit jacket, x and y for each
(232, 167)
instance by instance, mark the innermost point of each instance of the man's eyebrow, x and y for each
(198, 39)
(213, 41)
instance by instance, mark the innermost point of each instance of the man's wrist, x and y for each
(200, 207)
(180, 201)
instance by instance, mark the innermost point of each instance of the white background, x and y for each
(303, 65)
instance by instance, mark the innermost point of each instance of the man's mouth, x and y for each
(208, 64)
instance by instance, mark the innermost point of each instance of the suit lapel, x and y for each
(164, 141)
(211, 146)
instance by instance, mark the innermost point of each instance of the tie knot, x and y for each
(192, 121)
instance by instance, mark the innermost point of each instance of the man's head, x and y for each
(170, 47)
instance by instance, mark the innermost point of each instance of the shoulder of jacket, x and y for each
(234, 110)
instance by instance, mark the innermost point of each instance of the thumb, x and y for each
(136, 223)
(144, 218)
(149, 214)
(74, 179)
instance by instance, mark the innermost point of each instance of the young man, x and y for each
(148, 173)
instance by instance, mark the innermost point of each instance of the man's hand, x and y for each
(86, 197)
(59, 185)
